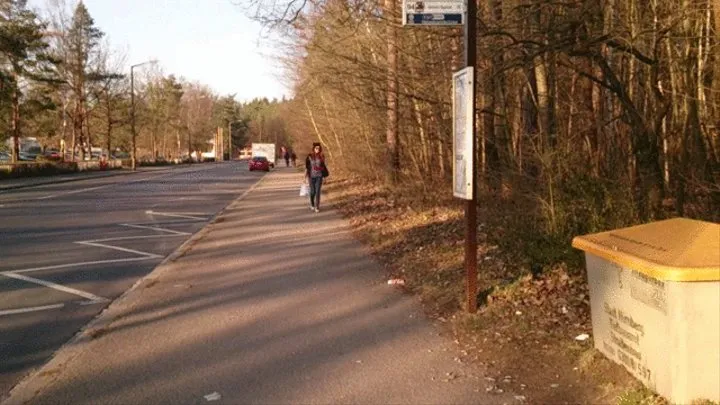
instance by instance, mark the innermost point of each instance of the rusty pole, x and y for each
(471, 204)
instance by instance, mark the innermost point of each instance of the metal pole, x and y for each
(471, 207)
(132, 118)
(230, 140)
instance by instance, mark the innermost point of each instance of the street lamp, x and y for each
(133, 157)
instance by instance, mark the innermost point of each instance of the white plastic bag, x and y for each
(304, 190)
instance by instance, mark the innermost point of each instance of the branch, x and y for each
(631, 50)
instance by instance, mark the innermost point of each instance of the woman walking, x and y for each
(315, 171)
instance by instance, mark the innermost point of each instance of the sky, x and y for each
(209, 41)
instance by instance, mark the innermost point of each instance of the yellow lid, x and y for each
(676, 249)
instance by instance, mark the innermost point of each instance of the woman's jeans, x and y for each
(315, 186)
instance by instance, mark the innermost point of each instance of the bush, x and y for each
(158, 162)
(37, 169)
(48, 159)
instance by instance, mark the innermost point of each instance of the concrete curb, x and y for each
(113, 173)
(53, 180)
(45, 375)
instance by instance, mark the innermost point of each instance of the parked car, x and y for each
(53, 154)
(259, 163)
(27, 156)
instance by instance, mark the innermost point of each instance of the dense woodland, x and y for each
(591, 114)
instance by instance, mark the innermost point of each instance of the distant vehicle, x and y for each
(30, 148)
(53, 154)
(27, 157)
(259, 163)
(208, 156)
(96, 153)
(264, 149)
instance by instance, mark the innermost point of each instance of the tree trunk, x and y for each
(164, 144)
(153, 141)
(330, 124)
(74, 139)
(317, 130)
(78, 126)
(541, 98)
(179, 147)
(109, 124)
(15, 121)
(393, 152)
(716, 11)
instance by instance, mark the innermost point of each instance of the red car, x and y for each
(259, 163)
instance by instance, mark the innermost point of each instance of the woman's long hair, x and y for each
(319, 153)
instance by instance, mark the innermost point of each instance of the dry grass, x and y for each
(528, 322)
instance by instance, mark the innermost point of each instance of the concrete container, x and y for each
(655, 304)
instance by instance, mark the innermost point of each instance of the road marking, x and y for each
(188, 215)
(54, 286)
(155, 228)
(30, 309)
(133, 238)
(85, 303)
(122, 249)
(80, 264)
(72, 192)
(92, 299)
(95, 242)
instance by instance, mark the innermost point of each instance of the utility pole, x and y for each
(471, 204)
(450, 13)
(133, 158)
(230, 140)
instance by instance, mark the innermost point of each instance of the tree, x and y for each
(172, 98)
(25, 61)
(108, 94)
(197, 106)
(82, 55)
(592, 114)
(228, 117)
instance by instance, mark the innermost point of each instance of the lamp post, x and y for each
(133, 157)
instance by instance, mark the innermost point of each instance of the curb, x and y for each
(52, 180)
(24, 391)
(113, 173)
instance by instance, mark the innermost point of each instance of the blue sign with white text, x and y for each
(434, 19)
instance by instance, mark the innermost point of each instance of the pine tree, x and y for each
(82, 42)
(23, 60)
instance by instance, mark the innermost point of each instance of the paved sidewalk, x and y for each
(271, 303)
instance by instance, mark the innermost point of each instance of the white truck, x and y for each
(264, 149)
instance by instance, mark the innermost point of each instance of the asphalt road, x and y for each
(67, 250)
(273, 304)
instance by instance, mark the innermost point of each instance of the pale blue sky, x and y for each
(209, 41)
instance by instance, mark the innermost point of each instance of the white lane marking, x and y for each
(178, 215)
(80, 264)
(58, 287)
(143, 255)
(122, 249)
(132, 238)
(85, 303)
(72, 192)
(155, 228)
(30, 309)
